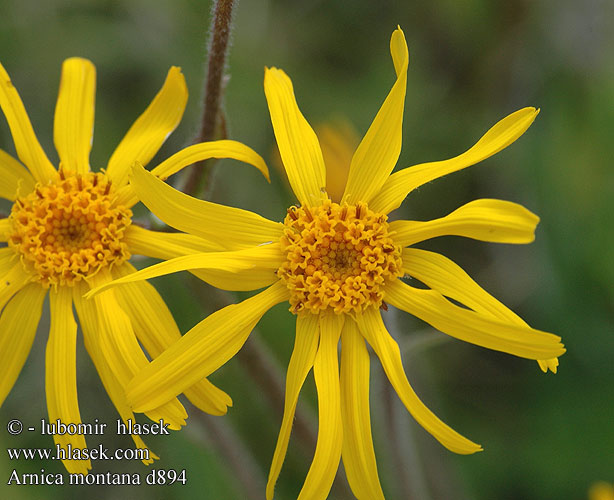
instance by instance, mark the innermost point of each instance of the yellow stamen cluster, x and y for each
(337, 257)
(69, 229)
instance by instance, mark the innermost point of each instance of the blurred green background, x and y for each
(472, 63)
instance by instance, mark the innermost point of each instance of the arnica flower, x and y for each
(71, 229)
(340, 265)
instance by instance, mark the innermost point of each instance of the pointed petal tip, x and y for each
(91, 294)
(97, 290)
(399, 50)
(531, 113)
(177, 74)
(268, 71)
(136, 166)
(275, 72)
(468, 448)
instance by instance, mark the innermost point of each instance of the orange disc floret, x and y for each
(337, 257)
(69, 229)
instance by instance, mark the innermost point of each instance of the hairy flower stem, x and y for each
(212, 118)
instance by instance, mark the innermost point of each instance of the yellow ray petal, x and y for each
(88, 319)
(28, 148)
(18, 325)
(5, 229)
(61, 375)
(298, 144)
(151, 129)
(232, 227)
(74, 114)
(162, 245)
(13, 279)
(496, 221)
(501, 135)
(470, 326)
(379, 151)
(446, 277)
(199, 152)
(13, 178)
(266, 257)
(330, 429)
(206, 150)
(201, 351)
(8, 258)
(301, 361)
(123, 354)
(358, 454)
(372, 327)
(156, 330)
(241, 281)
(167, 246)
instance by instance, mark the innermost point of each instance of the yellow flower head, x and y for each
(337, 257)
(71, 229)
(339, 264)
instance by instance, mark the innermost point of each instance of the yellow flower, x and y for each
(70, 229)
(338, 264)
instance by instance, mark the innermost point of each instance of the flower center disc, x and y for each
(337, 257)
(69, 229)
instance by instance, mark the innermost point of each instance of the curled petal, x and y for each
(501, 135)
(446, 277)
(379, 151)
(470, 326)
(195, 153)
(372, 327)
(496, 221)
